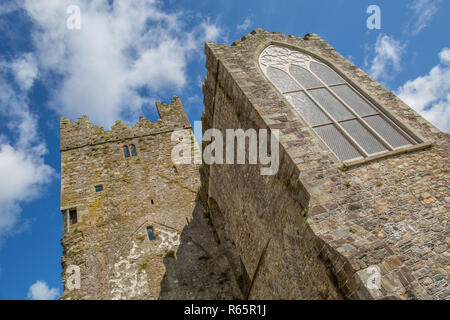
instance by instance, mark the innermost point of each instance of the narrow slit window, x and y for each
(150, 233)
(133, 150)
(73, 216)
(126, 152)
(175, 171)
(350, 125)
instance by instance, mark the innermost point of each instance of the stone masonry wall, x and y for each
(318, 228)
(109, 242)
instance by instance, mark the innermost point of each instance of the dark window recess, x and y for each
(151, 235)
(98, 188)
(126, 152)
(175, 170)
(133, 150)
(152, 201)
(244, 281)
(73, 217)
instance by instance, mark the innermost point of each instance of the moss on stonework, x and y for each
(170, 254)
(304, 213)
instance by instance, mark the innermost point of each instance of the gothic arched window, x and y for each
(349, 124)
(133, 150)
(126, 152)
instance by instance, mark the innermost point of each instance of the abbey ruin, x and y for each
(358, 208)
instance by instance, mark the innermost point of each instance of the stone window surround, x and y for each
(421, 142)
(130, 154)
(67, 225)
(152, 228)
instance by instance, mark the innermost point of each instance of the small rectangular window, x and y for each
(73, 216)
(98, 188)
(150, 233)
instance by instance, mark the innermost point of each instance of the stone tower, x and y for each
(359, 206)
(133, 228)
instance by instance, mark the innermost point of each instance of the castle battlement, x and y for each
(83, 133)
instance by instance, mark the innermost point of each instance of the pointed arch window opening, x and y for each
(126, 152)
(133, 150)
(348, 123)
(129, 151)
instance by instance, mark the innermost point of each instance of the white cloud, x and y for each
(22, 166)
(211, 31)
(387, 60)
(8, 7)
(120, 49)
(444, 56)
(40, 291)
(423, 12)
(247, 23)
(25, 70)
(429, 95)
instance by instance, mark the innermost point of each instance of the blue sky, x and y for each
(128, 54)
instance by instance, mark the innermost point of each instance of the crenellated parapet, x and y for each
(83, 133)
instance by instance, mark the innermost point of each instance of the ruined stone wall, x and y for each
(318, 228)
(109, 242)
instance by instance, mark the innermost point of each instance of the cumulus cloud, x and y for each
(429, 95)
(211, 31)
(122, 49)
(247, 23)
(40, 291)
(22, 165)
(387, 60)
(25, 70)
(423, 12)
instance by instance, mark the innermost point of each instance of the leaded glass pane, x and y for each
(282, 80)
(133, 150)
(304, 77)
(126, 152)
(354, 100)
(337, 110)
(387, 131)
(325, 73)
(343, 149)
(364, 138)
(307, 108)
(150, 233)
(324, 99)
